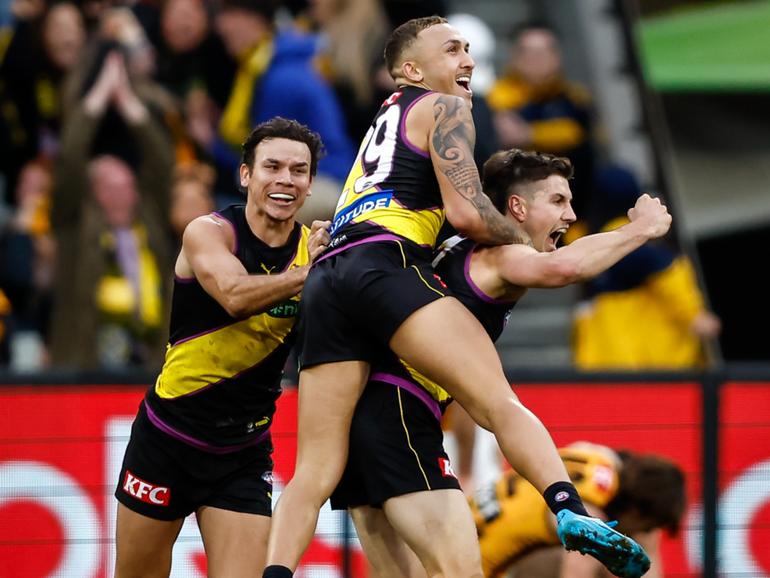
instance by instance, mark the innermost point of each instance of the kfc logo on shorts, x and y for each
(446, 468)
(147, 493)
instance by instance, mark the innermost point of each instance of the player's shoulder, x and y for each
(210, 228)
(508, 253)
(436, 105)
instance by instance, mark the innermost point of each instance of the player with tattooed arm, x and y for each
(375, 287)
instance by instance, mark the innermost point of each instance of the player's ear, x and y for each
(517, 206)
(244, 173)
(411, 71)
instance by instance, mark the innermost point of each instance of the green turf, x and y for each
(719, 47)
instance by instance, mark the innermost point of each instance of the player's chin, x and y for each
(468, 96)
(282, 214)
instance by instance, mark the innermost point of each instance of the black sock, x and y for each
(564, 496)
(277, 572)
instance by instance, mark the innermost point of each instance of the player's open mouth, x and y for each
(284, 198)
(464, 81)
(557, 234)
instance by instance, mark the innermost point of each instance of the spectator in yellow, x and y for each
(536, 108)
(647, 311)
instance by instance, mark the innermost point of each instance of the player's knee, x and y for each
(315, 480)
(493, 412)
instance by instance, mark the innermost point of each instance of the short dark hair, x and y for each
(279, 127)
(403, 37)
(505, 170)
(653, 486)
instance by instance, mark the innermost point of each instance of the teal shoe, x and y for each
(619, 554)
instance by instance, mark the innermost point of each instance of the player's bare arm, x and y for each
(587, 257)
(468, 209)
(207, 254)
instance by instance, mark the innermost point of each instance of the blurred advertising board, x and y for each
(61, 448)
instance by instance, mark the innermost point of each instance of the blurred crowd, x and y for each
(121, 121)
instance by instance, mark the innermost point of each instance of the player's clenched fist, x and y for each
(653, 213)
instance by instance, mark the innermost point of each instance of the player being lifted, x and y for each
(375, 288)
(398, 480)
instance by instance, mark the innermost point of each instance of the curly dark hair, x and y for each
(279, 127)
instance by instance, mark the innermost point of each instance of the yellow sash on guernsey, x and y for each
(378, 207)
(225, 352)
(435, 390)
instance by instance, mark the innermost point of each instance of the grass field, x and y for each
(718, 47)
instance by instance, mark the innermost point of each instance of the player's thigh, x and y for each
(443, 341)
(143, 545)
(328, 394)
(438, 526)
(235, 542)
(388, 554)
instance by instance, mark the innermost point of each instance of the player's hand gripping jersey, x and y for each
(392, 187)
(512, 518)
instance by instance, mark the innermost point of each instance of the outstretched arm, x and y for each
(586, 257)
(468, 209)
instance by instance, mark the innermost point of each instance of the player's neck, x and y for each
(403, 83)
(272, 232)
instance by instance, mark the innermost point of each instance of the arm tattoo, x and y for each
(454, 137)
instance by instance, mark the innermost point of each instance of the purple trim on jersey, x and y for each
(426, 245)
(412, 388)
(235, 231)
(212, 330)
(402, 128)
(372, 239)
(179, 279)
(479, 293)
(196, 443)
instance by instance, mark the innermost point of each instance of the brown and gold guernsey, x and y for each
(513, 519)
(392, 187)
(221, 376)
